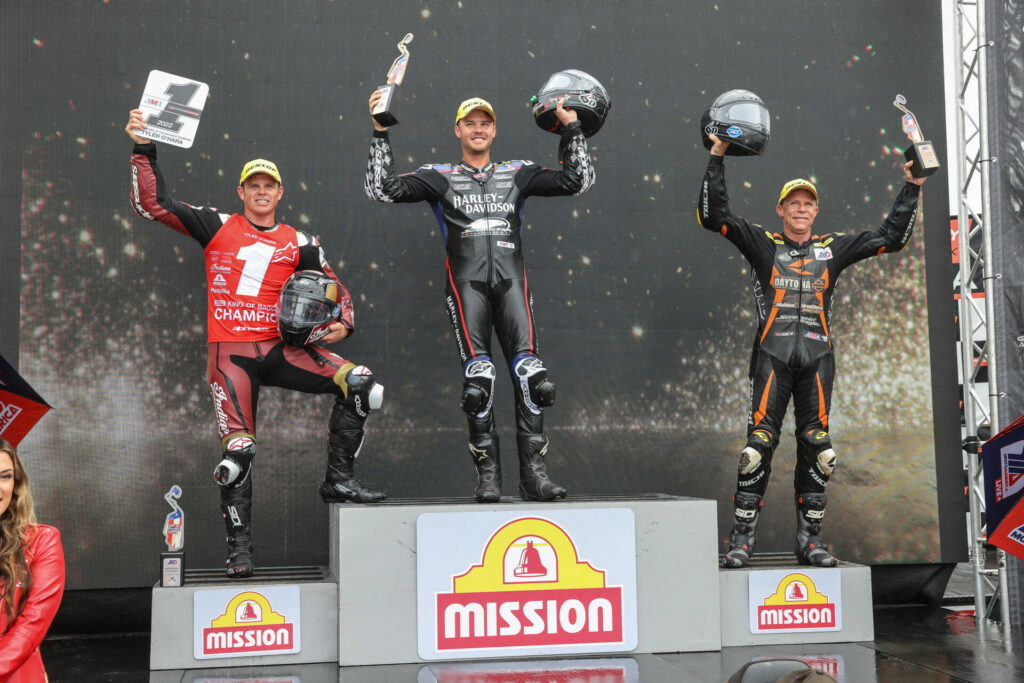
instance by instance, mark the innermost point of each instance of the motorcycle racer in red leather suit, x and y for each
(248, 259)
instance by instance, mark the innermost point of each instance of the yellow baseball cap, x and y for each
(798, 184)
(474, 103)
(260, 166)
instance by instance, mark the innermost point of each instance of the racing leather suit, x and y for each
(792, 352)
(480, 213)
(244, 350)
(246, 267)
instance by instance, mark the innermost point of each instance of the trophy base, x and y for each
(924, 158)
(172, 569)
(381, 113)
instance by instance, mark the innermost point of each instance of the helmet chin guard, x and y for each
(582, 93)
(740, 118)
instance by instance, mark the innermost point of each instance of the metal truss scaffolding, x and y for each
(977, 348)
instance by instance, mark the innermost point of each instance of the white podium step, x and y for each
(425, 580)
(776, 601)
(287, 615)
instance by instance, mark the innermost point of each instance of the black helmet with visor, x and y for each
(740, 118)
(583, 93)
(309, 302)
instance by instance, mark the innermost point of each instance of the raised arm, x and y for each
(577, 174)
(149, 196)
(383, 184)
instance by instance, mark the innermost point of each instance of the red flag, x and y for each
(1009, 535)
(20, 406)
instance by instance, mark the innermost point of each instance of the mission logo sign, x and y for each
(501, 584)
(795, 602)
(236, 623)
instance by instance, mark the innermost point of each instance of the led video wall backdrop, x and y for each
(645, 319)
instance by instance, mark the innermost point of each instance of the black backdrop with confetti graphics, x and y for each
(645, 319)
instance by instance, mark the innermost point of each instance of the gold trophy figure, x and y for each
(383, 113)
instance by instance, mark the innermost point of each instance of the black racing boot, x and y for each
(534, 483)
(744, 528)
(810, 510)
(487, 459)
(340, 484)
(236, 504)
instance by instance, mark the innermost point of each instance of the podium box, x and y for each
(854, 581)
(172, 630)
(373, 555)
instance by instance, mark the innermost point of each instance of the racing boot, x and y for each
(810, 510)
(236, 504)
(744, 528)
(487, 459)
(340, 484)
(534, 483)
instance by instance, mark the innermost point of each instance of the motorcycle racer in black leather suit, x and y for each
(479, 206)
(793, 274)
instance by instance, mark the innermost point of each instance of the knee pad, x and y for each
(236, 460)
(361, 391)
(827, 462)
(536, 389)
(478, 387)
(753, 469)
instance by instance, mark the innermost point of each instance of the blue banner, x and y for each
(1003, 458)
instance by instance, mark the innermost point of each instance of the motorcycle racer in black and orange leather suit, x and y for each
(793, 274)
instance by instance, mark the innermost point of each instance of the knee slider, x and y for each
(537, 390)
(362, 392)
(750, 460)
(753, 468)
(827, 461)
(235, 461)
(478, 387)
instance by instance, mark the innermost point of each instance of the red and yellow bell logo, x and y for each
(248, 625)
(796, 604)
(530, 589)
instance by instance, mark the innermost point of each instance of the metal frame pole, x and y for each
(976, 331)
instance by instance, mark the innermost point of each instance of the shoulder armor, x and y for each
(304, 239)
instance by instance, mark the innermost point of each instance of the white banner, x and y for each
(788, 601)
(525, 583)
(234, 622)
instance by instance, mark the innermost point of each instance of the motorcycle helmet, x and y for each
(583, 94)
(740, 118)
(309, 302)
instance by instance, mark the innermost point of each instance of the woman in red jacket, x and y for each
(31, 575)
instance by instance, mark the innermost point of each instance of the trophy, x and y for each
(172, 562)
(921, 152)
(382, 113)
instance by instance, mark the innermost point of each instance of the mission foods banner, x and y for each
(234, 622)
(506, 584)
(784, 601)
